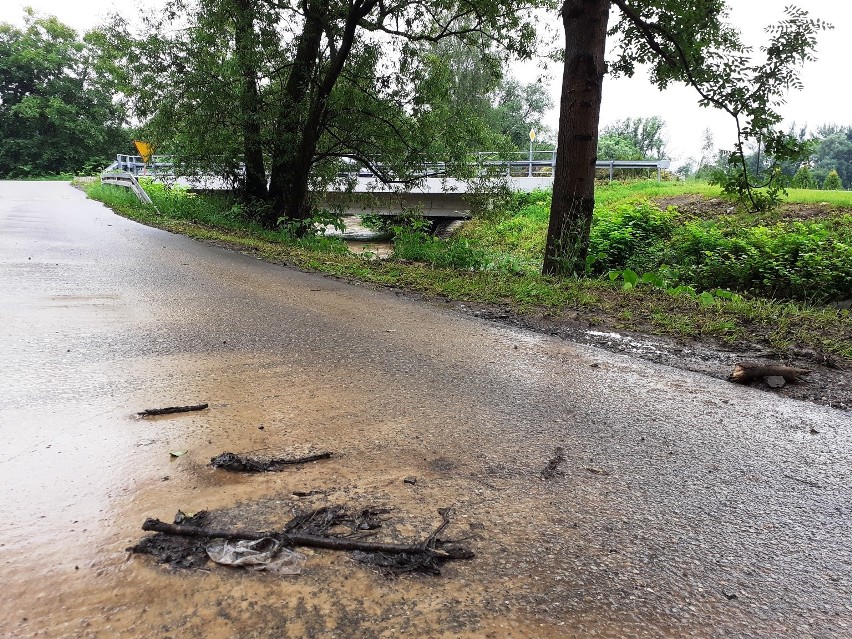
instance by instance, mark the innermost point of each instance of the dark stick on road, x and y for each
(313, 541)
(551, 470)
(171, 409)
(248, 464)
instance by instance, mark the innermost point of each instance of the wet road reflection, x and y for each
(686, 507)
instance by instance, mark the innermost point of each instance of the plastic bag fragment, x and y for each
(262, 554)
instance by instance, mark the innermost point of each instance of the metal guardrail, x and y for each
(127, 180)
(543, 164)
(159, 164)
(530, 167)
(535, 164)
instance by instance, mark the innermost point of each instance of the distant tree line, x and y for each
(829, 163)
(826, 164)
(58, 112)
(65, 100)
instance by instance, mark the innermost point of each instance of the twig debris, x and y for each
(552, 469)
(313, 529)
(148, 412)
(250, 464)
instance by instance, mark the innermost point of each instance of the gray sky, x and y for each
(826, 97)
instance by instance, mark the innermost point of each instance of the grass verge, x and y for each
(594, 301)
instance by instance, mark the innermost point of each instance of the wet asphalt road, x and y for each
(686, 506)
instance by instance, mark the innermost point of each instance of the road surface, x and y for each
(686, 507)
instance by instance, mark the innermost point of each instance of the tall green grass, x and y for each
(214, 210)
(841, 199)
(767, 255)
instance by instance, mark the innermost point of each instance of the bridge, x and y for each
(361, 192)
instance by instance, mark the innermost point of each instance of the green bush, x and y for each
(789, 260)
(412, 241)
(803, 179)
(832, 182)
(516, 233)
(631, 236)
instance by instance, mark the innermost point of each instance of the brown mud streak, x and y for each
(334, 597)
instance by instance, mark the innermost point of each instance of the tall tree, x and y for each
(573, 203)
(612, 146)
(685, 41)
(519, 107)
(289, 87)
(57, 112)
(709, 154)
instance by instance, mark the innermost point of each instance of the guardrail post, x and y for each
(129, 181)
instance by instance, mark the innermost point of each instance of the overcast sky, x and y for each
(826, 97)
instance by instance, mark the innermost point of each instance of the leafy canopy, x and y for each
(293, 89)
(57, 113)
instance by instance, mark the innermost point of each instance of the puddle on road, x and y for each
(623, 342)
(85, 477)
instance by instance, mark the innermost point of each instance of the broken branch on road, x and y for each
(314, 530)
(171, 409)
(746, 372)
(552, 468)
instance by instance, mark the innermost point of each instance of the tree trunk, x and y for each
(294, 198)
(585, 23)
(290, 169)
(246, 58)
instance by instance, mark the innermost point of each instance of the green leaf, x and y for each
(178, 453)
(653, 279)
(707, 298)
(630, 277)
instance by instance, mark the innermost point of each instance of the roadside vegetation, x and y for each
(770, 254)
(699, 269)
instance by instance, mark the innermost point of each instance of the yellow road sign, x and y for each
(145, 150)
(532, 135)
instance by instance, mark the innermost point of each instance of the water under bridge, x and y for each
(362, 192)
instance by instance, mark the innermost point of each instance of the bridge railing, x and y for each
(540, 164)
(543, 164)
(134, 164)
(127, 180)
